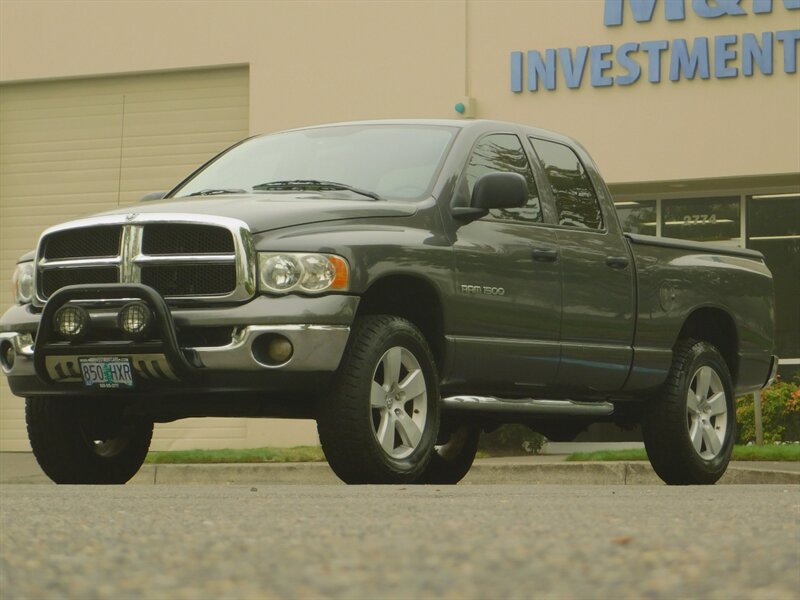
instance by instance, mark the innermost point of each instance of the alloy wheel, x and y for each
(399, 401)
(707, 413)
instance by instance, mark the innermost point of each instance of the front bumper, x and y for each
(164, 367)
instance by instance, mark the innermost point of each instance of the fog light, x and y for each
(272, 350)
(7, 355)
(280, 349)
(71, 321)
(135, 318)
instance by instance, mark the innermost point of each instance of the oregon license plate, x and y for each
(110, 372)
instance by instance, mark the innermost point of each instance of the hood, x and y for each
(265, 211)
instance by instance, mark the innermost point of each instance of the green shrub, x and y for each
(780, 414)
(512, 440)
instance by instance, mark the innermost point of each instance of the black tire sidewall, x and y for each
(59, 440)
(407, 340)
(665, 426)
(344, 418)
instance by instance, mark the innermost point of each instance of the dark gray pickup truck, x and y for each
(405, 283)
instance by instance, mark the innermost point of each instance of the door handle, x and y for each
(544, 255)
(617, 262)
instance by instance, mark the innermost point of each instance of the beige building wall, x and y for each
(313, 62)
(321, 61)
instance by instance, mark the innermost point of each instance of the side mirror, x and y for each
(153, 196)
(500, 190)
(494, 190)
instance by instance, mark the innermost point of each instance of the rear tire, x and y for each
(452, 460)
(380, 422)
(689, 429)
(79, 442)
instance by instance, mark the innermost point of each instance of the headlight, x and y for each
(23, 282)
(301, 272)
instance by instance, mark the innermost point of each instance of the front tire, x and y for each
(79, 442)
(689, 430)
(380, 422)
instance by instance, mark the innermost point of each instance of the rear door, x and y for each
(598, 283)
(507, 309)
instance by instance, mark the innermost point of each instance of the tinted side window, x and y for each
(503, 152)
(576, 201)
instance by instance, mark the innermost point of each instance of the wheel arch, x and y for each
(411, 297)
(715, 326)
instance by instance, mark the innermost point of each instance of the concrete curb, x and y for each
(562, 473)
(240, 473)
(485, 471)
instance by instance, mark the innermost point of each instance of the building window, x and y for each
(702, 219)
(576, 201)
(638, 216)
(773, 228)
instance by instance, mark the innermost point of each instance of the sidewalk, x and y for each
(21, 467)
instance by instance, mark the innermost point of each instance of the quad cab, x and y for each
(407, 284)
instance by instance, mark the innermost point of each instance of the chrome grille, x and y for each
(181, 256)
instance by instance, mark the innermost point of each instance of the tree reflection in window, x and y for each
(502, 152)
(576, 201)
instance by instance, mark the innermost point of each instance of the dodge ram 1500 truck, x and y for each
(407, 284)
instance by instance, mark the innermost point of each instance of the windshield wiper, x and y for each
(313, 184)
(215, 192)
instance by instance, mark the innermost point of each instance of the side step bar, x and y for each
(527, 406)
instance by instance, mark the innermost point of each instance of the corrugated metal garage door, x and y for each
(72, 147)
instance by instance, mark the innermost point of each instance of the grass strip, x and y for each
(789, 452)
(608, 455)
(228, 455)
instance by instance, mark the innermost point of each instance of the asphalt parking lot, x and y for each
(466, 541)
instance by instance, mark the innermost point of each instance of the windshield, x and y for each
(394, 161)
